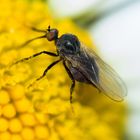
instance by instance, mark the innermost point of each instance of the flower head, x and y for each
(43, 111)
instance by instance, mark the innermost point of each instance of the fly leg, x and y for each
(49, 67)
(34, 55)
(45, 72)
(72, 78)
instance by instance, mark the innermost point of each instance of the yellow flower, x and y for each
(28, 134)
(16, 137)
(22, 105)
(43, 111)
(16, 92)
(5, 136)
(3, 124)
(41, 132)
(9, 111)
(4, 97)
(15, 125)
(28, 119)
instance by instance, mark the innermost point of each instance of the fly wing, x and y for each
(86, 65)
(99, 73)
(110, 82)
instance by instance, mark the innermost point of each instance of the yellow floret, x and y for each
(41, 132)
(41, 118)
(15, 125)
(3, 124)
(105, 130)
(4, 97)
(0, 111)
(22, 105)
(5, 136)
(7, 60)
(16, 137)
(28, 134)
(28, 119)
(16, 92)
(9, 111)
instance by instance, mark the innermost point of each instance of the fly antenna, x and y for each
(35, 29)
(38, 30)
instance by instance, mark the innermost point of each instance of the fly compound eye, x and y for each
(52, 34)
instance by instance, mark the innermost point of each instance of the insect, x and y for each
(82, 64)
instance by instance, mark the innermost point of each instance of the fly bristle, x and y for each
(49, 28)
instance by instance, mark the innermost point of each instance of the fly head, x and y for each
(52, 34)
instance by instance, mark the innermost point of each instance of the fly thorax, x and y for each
(68, 44)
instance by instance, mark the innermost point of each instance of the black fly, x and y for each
(82, 64)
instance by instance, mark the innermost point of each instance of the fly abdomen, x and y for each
(78, 76)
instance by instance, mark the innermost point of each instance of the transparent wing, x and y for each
(109, 81)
